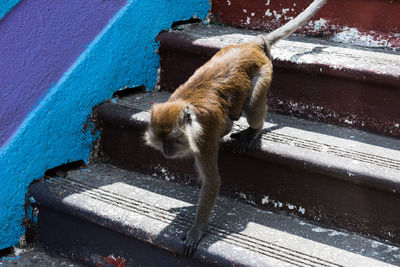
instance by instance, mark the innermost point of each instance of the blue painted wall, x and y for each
(123, 54)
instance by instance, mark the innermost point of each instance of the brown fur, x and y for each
(235, 79)
(219, 89)
(201, 111)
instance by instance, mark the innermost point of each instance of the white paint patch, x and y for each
(229, 2)
(329, 231)
(252, 14)
(268, 13)
(244, 10)
(355, 37)
(164, 173)
(387, 248)
(268, 2)
(348, 122)
(265, 200)
(248, 20)
(318, 25)
(302, 210)
(277, 16)
(277, 204)
(18, 251)
(290, 206)
(319, 230)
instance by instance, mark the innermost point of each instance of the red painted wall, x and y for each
(379, 19)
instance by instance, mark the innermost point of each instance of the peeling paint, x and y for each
(161, 172)
(302, 210)
(351, 35)
(277, 204)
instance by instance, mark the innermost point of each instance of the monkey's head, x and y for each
(173, 129)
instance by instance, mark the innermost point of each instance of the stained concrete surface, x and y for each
(33, 255)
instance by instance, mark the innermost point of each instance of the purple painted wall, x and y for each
(39, 40)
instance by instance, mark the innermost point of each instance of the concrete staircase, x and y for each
(313, 78)
(102, 214)
(309, 194)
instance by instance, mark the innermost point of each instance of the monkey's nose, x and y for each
(168, 149)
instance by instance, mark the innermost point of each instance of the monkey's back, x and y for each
(223, 83)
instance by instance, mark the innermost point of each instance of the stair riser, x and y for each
(320, 194)
(91, 244)
(365, 101)
(369, 17)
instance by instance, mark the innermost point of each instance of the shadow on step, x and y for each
(125, 197)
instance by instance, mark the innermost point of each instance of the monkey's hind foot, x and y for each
(191, 240)
(245, 138)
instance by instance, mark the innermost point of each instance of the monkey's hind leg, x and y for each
(255, 108)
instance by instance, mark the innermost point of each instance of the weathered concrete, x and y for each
(313, 78)
(35, 256)
(157, 212)
(359, 22)
(322, 172)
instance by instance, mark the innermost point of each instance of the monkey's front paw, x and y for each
(245, 138)
(191, 239)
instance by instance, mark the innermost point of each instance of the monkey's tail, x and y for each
(293, 25)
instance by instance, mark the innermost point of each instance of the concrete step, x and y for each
(34, 255)
(101, 214)
(313, 79)
(333, 175)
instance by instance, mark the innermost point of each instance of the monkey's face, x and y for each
(167, 130)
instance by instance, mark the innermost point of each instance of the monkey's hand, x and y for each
(191, 239)
(245, 138)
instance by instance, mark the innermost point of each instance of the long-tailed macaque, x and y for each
(201, 111)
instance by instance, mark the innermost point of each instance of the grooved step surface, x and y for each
(300, 50)
(312, 78)
(337, 176)
(158, 212)
(351, 150)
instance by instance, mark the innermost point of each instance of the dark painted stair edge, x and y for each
(93, 239)
(102, 213)
(335, 93)
(320, 191)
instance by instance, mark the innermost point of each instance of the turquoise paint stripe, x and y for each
(6, 6)
(123, 54)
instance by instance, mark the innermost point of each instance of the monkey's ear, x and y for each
(187, 114)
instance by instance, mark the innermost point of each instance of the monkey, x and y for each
(202, 110)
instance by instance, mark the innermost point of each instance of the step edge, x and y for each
(362, 174)
(182, 42)
(170, 244)
(202, 254)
